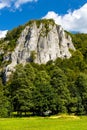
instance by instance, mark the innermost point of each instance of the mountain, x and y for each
(39, 41)
(49, 73)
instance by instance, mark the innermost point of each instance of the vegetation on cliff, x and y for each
(59, 86)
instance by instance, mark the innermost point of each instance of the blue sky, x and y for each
(65, 12)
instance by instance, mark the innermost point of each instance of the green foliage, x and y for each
(81, 83)
(14, 34)
(1, 58)
(32, 56)
(21, 89)
(12, 37)
(60, 83)
(4, 103)
(53, 87)
(43, 98)
(9, 43)
(43, 21)
(45, 29)
(60, 86)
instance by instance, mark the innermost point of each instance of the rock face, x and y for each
(40, 44)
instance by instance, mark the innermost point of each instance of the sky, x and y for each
(71, 14)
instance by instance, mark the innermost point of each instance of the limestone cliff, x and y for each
(40, 43)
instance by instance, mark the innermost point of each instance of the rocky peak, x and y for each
(40, 41)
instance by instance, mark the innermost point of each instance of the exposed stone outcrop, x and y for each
(40, 44)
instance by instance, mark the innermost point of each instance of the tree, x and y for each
(42, 78)
(81, 83)
(29, 71)
(21, 91)
(44, 99)
(4, 103)
(43, 96)
(59, 83)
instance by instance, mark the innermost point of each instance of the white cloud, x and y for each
(3, 33)
(72, 21)
(14, 3)
(4, 3)
(18, 3)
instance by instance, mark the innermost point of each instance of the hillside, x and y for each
(37, 41)
(45, 68)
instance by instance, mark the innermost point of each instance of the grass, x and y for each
(38, 123)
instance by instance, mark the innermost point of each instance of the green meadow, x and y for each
(41, 123)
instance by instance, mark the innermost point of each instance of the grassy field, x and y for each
(38, 123)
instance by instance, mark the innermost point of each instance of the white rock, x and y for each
(46, 45)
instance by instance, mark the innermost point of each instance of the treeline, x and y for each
(60, 86)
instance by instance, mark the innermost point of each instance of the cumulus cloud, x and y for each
(72, 21)
(18, 3)
(4, 3)
(14, 3)
(3, 33)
